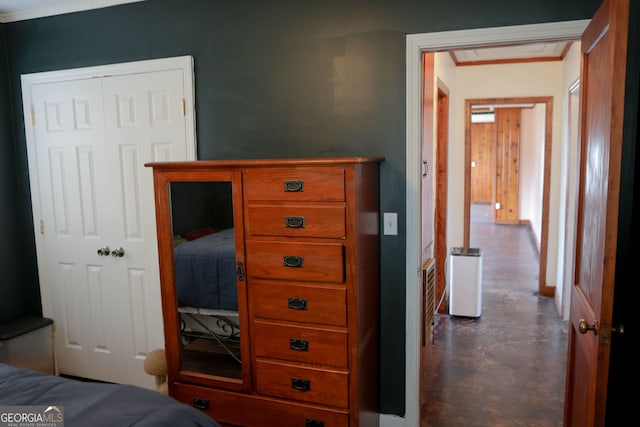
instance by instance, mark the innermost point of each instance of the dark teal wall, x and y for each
(283, 78)
(619, 405)
(13, 289)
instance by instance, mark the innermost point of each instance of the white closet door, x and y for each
(144, 122)
(69, 130)
(92, 139)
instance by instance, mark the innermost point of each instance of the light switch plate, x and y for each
(390, 223)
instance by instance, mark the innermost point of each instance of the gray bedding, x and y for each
(206, 272)
(97, 404)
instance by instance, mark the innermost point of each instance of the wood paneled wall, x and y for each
(483, 140)
(507, 164)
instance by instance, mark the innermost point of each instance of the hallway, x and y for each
(506, 367)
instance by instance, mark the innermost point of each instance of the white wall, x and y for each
(568, 184)
(504, 81)
(532, 139)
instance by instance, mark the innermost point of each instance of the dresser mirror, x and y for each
(205, 274)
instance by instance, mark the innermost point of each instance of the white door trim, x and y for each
(184, 63)
(415, 45)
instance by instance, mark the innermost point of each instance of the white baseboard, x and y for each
(392, 421)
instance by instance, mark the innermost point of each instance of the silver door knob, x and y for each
(118, 252)
(104, 251)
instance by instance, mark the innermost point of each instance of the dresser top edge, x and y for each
(329, 161)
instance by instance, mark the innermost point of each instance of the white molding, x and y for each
(59, 9)
(442, 41)
(413, 242)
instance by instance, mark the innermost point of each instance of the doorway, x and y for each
(416, 45)
(506, 170)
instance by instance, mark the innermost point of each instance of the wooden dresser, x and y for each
(301, 347)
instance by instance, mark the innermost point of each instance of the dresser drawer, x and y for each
(297, 220)
(298, 303)
(296, 261)
(321, 386)
(295, 184)
(257, 411)
(300, 344)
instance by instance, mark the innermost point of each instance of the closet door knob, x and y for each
(104, 251)
(118, 252)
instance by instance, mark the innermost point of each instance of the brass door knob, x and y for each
(104, 251)
(584, 327)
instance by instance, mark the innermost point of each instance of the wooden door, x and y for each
(483, 142)
(442, 186)
(428, 174)
(603, 77)
(507, 165)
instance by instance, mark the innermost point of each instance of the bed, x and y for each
(95, 404)
(205, 274)
(205, 270)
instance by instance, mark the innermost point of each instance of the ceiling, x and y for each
(548, 51)
(18, 10)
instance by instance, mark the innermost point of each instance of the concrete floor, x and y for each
(506, 367)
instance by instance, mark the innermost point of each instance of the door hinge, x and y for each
(184, 107)
(42, 227)
(33, 116)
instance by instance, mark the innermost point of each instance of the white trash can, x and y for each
(465, 282)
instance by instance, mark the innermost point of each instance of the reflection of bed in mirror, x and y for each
(208, 300)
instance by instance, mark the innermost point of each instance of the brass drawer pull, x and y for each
(293, 186)
(293, 261)
(314, 423)
(298, 345)
(294, 222)
(200, 403)
(300, 384)
(297, 303)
